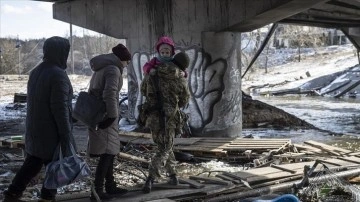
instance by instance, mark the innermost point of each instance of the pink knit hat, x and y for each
(166, 40)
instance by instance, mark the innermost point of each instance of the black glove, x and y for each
(106, 123)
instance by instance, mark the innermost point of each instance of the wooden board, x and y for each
(7, 141)
(211, 180)
(328, 148)
(227, 146)
(351, 159)
(192, 183)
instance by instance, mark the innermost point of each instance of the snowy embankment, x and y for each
(313, 64)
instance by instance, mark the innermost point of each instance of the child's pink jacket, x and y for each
(150, 65)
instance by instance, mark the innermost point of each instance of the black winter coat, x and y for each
(49, 98)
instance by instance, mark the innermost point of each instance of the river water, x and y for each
(332, 114)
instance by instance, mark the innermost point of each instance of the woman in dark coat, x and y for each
(48, 118)
(106, 83)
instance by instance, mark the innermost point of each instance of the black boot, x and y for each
(173, 180)
(112, 189)
(148, 184)
(9, 197)
(100, 173)
(110, 184)
(101, 194)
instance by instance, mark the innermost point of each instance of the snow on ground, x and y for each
(11, 84)
(321, 62)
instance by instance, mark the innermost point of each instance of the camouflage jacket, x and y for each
(173, 90)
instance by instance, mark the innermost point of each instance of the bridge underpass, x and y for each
(209, 32)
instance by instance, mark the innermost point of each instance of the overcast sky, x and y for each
(32, 19)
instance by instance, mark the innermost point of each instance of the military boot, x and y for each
(148, 184)
(173, 180)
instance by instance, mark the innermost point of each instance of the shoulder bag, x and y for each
(89, 109)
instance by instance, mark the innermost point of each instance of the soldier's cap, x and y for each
(181, 60)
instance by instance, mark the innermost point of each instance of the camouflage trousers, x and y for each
(164, 155)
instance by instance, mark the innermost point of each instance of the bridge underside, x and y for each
(235, 16)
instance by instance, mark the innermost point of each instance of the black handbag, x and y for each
(89, 109)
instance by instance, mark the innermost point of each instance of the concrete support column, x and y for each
(215, 85)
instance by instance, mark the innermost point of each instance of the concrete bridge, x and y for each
(209, 31)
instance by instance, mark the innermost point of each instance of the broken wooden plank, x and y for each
(302, 148)
(211, 180)
(289, 155)
(229, 174)
(273, 176)
(351, 159)
(329, 162)
(227, 178)
(192, 183)
(194, 148)
(11, 143)
(282, 168)
(326, 147)
(262, 148)
(169, 186)
(353, 154)
(267, 171)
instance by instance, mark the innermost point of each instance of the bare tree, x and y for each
(8, 56)
(304, 37)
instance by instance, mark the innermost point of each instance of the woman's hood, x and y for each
(56, 51)
(101, 61)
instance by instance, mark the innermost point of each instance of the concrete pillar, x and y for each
(214, 78)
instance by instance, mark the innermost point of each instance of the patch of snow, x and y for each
(323, 61)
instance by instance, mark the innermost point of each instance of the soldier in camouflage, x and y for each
(165, 92)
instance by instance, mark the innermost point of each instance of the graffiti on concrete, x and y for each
(205, 80)
(231, 105)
